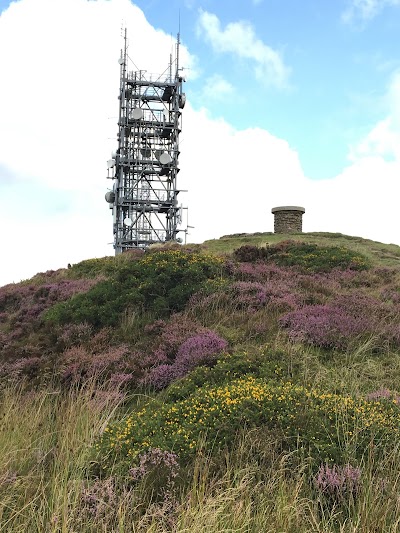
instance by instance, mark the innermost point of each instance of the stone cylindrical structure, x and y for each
(288, 219)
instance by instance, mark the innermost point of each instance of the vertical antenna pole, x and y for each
(178, 42)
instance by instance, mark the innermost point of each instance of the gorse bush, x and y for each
(324, 426)
(158, 282)
(269, 365)
(305, 256)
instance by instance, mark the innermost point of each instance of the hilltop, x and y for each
(250, 383)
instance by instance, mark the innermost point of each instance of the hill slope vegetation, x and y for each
(247, 384)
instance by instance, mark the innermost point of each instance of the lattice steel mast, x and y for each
(144, 198)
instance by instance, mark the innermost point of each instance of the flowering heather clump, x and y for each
(163, 462)
(391, 295)
(119, 380)
(338, 482)
(14, 298)
(358, 304)
(100, 498)
(201, 349)
(78, 362)
(262, 272)
(167, 336)
(248, 295)
(74, 334)
(24, 367)
(23, 305)
(161, 376)
(176, 331)
(344, 318)
(383, 394)
(327, 326)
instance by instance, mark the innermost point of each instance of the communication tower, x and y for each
(144, 197)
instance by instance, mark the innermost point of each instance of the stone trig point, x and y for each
(288, 219)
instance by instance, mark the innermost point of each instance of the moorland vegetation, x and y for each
(251, 383)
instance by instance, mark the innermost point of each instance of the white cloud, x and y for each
(217, 88)
(384, 138)
(60, 85)
(239, 39)
(58, 108)
(366, 9)
(240, 175)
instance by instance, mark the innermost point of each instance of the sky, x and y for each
(289, 102)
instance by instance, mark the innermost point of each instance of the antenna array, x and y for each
(144, 197)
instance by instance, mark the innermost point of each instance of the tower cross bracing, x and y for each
(145, 166)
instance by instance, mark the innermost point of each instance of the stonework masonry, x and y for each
(288, 219)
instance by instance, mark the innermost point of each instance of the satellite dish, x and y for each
(146, 151)
(182, 100)
(110, 197)
(137, 113)
(121, 60)
(165, 158)
(110, 163)
(128, 221)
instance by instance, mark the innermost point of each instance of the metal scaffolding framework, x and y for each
(144, 197)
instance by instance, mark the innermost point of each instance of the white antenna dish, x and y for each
(165, 158)
(137, 113)
(121, 60)
(110, 163)
(128, 222)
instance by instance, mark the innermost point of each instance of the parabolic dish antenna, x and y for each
(182, 100)
(146, 151)
(137, 113)
(121, 61)
(165, 158)
(128, 221)
(110, 197)
(110, 163)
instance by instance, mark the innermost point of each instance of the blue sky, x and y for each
(338, 68)
(289, 103)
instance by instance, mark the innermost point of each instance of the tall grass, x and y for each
(48, 483)
(45, 449)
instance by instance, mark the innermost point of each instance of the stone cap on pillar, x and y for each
(288, 208)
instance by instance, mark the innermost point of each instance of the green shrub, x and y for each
(323, 426)
(306, 256)
(158, 283)
(230, 367)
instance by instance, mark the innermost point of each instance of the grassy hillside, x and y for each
(381, 254)
(247, 384)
